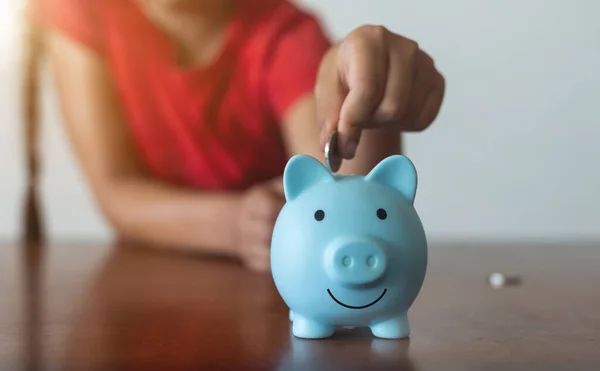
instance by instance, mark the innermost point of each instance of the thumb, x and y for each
(364, 73)
(357, 108)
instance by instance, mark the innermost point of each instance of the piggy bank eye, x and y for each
(381, 214)
(319, 215)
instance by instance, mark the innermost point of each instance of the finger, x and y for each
(432, 105)
(364, 66)
(258, 250)
(263, 205)
(257, 231)
(277, 187)
(256, 253)
(423, 85)
(268, 213)
(259, 265)
(268, 207)
(261, 252)
(400, 82)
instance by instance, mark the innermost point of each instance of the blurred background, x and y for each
(512, 156)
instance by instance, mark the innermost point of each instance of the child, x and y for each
(183, 113)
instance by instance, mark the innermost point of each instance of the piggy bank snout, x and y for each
(354, 262)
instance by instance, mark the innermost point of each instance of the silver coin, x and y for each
(332, 154)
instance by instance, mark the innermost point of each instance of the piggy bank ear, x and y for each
(398, 172)
(301, 172)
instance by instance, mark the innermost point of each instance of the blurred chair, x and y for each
(33, 50)
(32, 228)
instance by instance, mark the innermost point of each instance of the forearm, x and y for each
(158, 215)
(138, 207)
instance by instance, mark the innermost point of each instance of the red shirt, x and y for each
(216, 127)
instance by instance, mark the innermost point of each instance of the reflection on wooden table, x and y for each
(126, 308)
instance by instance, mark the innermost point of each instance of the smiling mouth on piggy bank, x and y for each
(357, 306)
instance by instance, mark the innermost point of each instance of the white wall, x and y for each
(11, 175)
(511, 156)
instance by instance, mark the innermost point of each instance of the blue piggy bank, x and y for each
(349, 251)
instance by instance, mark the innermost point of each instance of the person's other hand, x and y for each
(260, 205)
(375, 78)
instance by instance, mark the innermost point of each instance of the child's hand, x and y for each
(259, 208)
(375, 78)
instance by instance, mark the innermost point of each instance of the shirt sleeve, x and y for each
(294, 62)
(77, 19)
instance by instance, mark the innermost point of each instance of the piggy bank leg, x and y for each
(305, 328)
(395, 328)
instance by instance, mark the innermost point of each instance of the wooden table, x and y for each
(83, 307)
